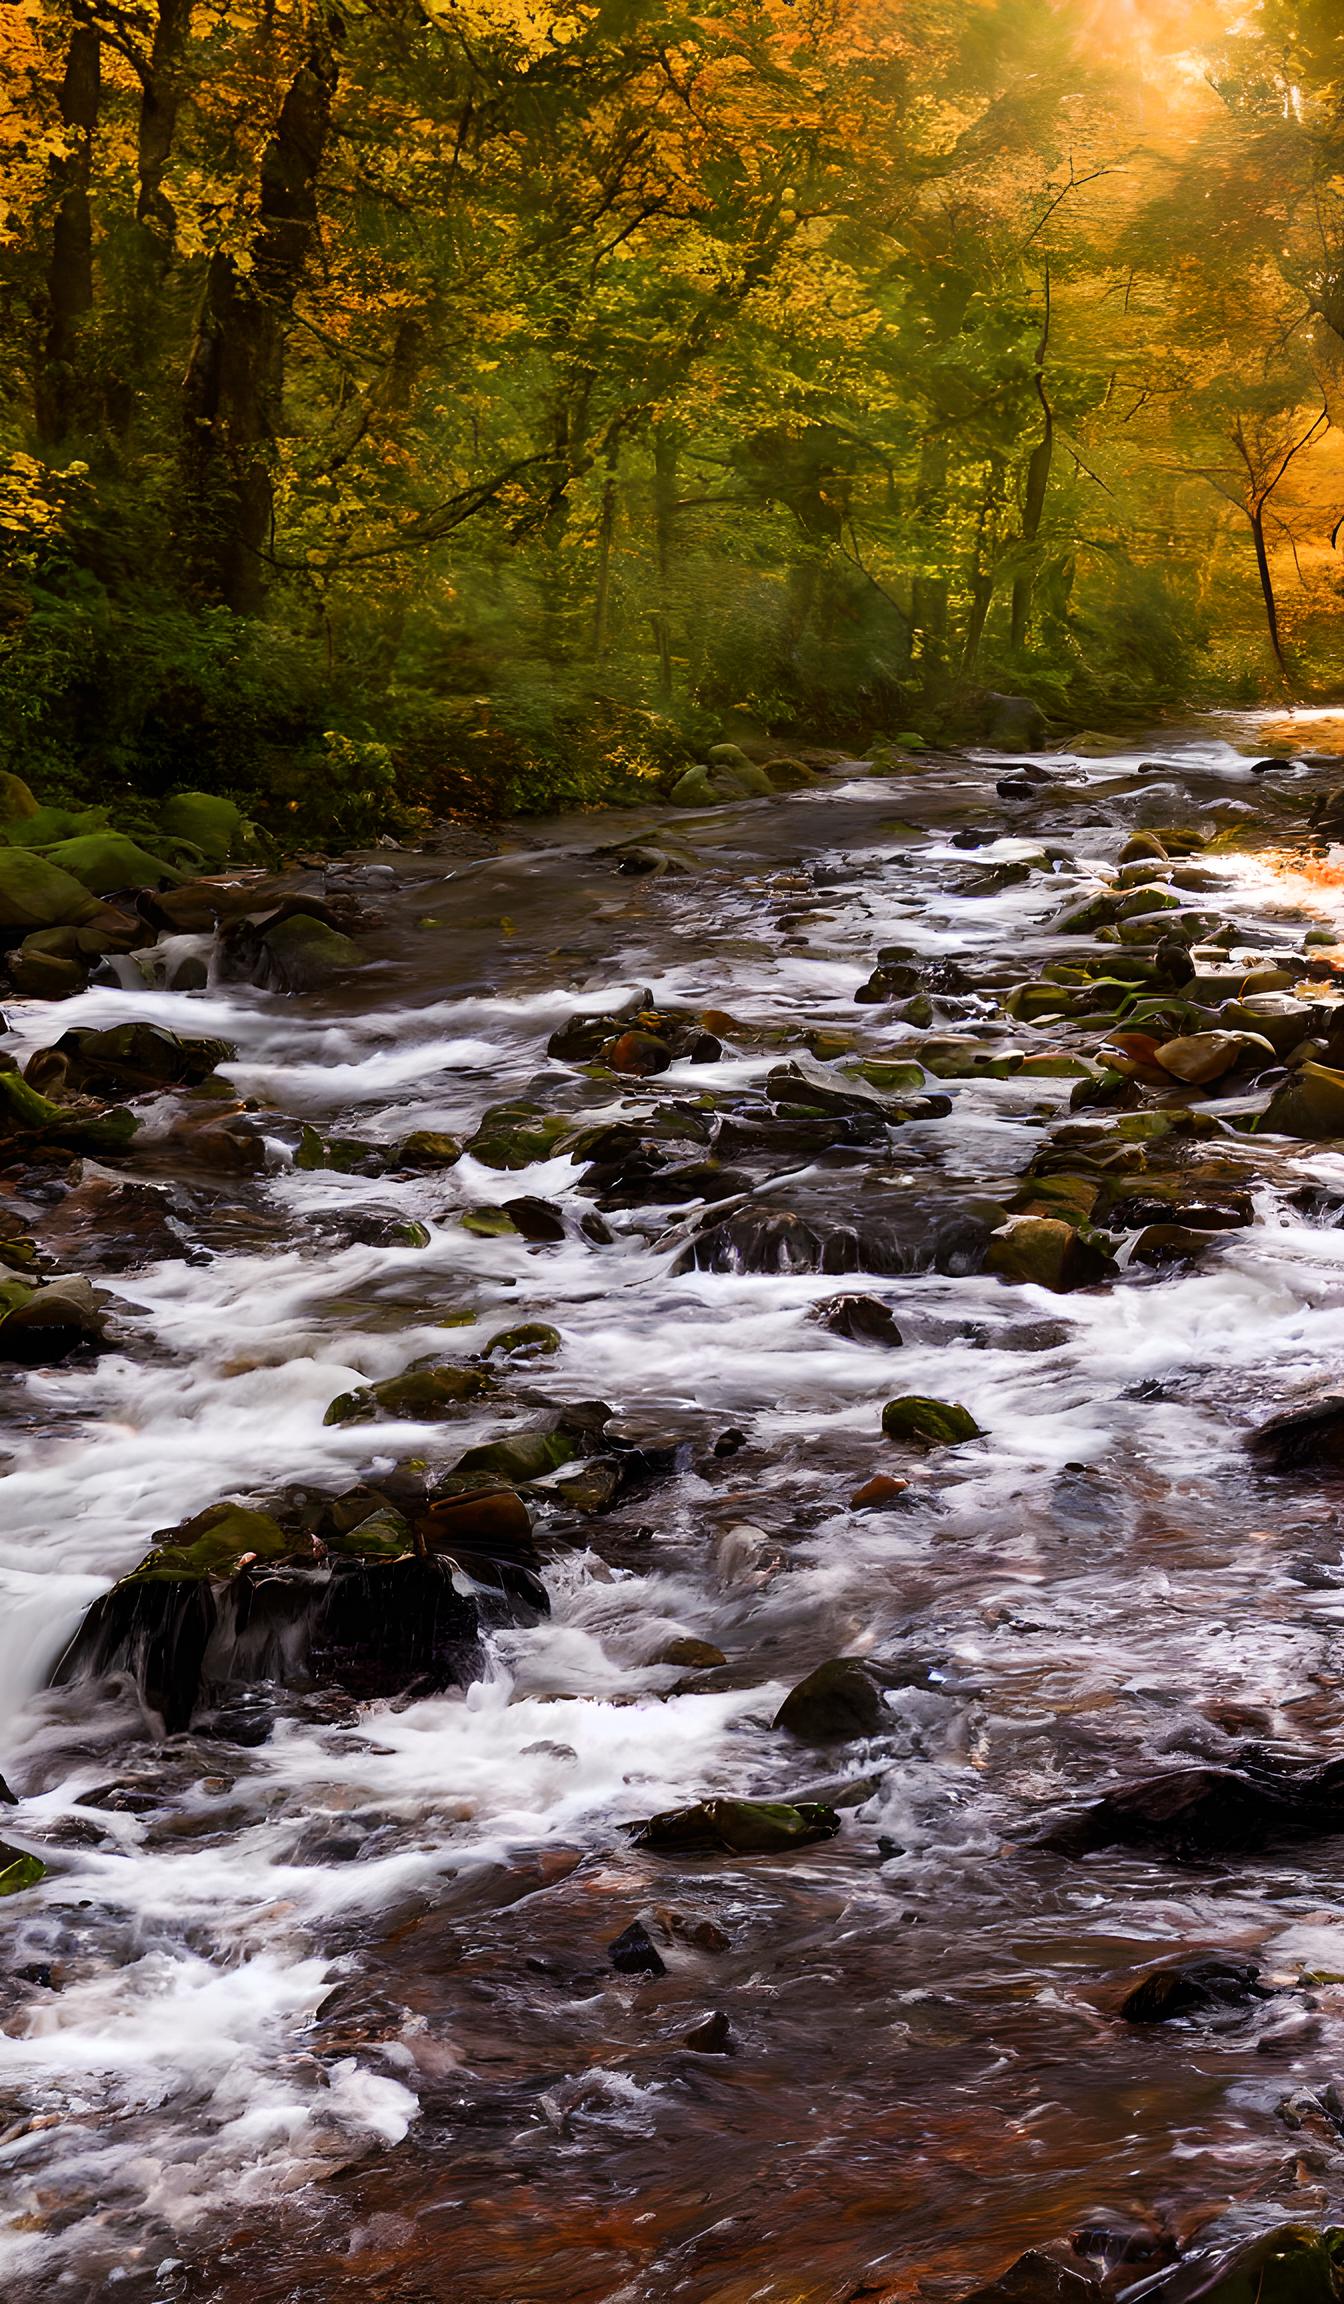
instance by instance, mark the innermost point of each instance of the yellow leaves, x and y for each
(32, 498)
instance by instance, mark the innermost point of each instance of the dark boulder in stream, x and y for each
(234, 1598)
(1292, 2264)
(841, 1700)
(1306, 1439)
(737, 1827)
(1259, 1800)
(1208, 1984)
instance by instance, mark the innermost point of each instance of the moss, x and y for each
(104, 861)
(925, 1423)
(419, 1395)
(19, 1870)
(212, 1545)
(523, 1456)
(37, 893)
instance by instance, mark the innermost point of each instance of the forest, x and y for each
(486, 404)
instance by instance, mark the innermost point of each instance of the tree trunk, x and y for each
(606, 531)
(233, 394)
(62, 395)
(1257, 520)
(666, 447)
(1038, 483)
(160, 98)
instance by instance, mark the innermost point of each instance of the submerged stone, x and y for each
(1201, 1986)
(1256, 1802)
(1304, 1439)
(1046, 1251)
(419, 1395)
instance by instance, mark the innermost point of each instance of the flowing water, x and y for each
(329, 2012)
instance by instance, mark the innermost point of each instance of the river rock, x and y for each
(1200, 1058)
(105, 861)
(1041, 2277)
(19, 1870)
(634, 1953)
(125, 1060)
(527, 1340)
(521, 1456)
(1310, 1105)
(539, 1221)
(712, 2036)
(1293, 2264)
(1204, 1985)
(737, 1827)
(641, 1054)
(920, 1422)
(41, 1324)
(423, 1394)
(1047, 1252)
(860, 1320)
(878, 1494)
(517, 1134)
(212, 824)
(690, 1655)
(236, 1600)
(1306, 1439)
(302, 954)
(1255, 1802)
(839, 1701)
(35, 893)
(31, 1121)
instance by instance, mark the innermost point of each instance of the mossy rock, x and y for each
(428, 1148)
(1293, 2264)
(1054, 1065)
(791, 775)
(757, 783)
(489, 1224)
(890, 1079)
(1048, 1252)
(1070, 1198)
(529, 1340)
(418, 1396)
(23, 1112)
(19, 1870)
(694, 790)
(517, 1135)
(214, 825)
(728, 756)
(738, 1827)
(841, 1700)
(969, 1060)
(41, 973)
(345, 1155)
(36, 893)
(383, 1536)
(48, 825)
(104, 861)
(521, 1457)
(212, 1544)
(1310, 1105)
(305, 955)
(920, 1422)
(16, 800)
(1143, 848)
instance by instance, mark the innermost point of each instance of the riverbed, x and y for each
(318, 2001)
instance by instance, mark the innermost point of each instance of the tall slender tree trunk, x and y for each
(233, 393)
(160, 100)
(1256, 516)
(62, 396)
(1037, 488)
(606, 532)
(666, 462)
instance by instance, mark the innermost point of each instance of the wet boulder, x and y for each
(1047, 1252)
(211, 824)
(1208, 1984)
(19, 1870)
(522, 1456)
(641, 1054)
(1292, 2264)
(737, 1827)
(1201, 1058)
(424, 1393)
(517, 1134)
(106, 861)
(426, 1149)
(1306, 1439)
(919, 1422)
(526, 1340)
(302, 954)
(125, 1060)
(234, 1598)
(32, 1122)
(891, 1234)
(36, 893)
(1042, 2276)
(634, 1953)
(46, 1322)
(859, 1319)
(838, 1702)
(1310, 1105)
(1257, 1801)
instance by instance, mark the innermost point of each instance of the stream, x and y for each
(316, 1999)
